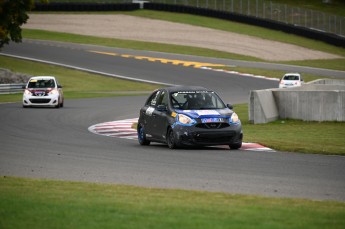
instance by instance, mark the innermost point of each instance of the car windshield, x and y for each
(291, 77)
(41, 83)
(196, 100)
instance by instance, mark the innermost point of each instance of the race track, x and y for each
(56, 143)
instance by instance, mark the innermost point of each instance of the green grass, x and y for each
(295, 135)
(28, 203)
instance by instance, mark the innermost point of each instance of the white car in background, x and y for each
(291, 80)
(43, 91)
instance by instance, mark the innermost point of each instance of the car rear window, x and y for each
(291, 77)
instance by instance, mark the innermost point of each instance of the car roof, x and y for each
(184, 88)
(42, 77)
(292, 74)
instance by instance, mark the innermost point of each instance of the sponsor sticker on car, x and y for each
(209, 120)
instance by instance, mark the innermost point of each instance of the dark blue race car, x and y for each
(188, 116)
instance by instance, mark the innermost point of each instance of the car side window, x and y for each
(152, 101)
(163, 99)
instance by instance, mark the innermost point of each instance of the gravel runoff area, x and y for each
(142, 29)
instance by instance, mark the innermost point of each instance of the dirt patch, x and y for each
(143, 29)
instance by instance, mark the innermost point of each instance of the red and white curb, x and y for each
(123, 129)
(118, 129)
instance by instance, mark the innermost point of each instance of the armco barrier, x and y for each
(315, 101)
(11, 88)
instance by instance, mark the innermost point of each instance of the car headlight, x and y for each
(184, 119)
(234, 118)
(53, 92)
(27, 92)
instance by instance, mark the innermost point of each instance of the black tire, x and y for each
(142, 136)
(171, 141)
(235, 146)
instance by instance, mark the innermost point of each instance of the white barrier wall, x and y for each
(311, 102)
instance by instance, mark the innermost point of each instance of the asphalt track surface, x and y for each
(56, 143)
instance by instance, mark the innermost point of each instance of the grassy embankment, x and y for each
(27, 203)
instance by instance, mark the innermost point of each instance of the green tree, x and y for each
(13, 14)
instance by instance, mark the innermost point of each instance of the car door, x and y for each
(147, 113)
(159, 116)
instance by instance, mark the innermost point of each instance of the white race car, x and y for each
(43, 91)
(291, 80)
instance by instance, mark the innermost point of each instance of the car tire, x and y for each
(235, 146)
(142, 136)
(171, 139)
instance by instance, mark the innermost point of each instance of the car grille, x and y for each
(214, 137)
(39, 100)
(40, 93)
(212, 125)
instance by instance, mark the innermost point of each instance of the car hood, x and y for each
(212, 113)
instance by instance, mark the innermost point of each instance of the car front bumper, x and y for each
(191, 135)
(50, 100)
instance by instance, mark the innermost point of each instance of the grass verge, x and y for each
(295, 135)
(28, 203)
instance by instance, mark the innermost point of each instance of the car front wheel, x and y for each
(142, 136)
(235, 146)
(171, 139)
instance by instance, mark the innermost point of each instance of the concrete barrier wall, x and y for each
(311, 105)
(311, 102)
(328, 82)
(263, 108)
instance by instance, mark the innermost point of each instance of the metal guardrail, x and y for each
(11, 88)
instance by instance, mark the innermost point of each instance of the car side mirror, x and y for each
(161, 108)
(23, 87)
(59, 86)
(230, 106)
